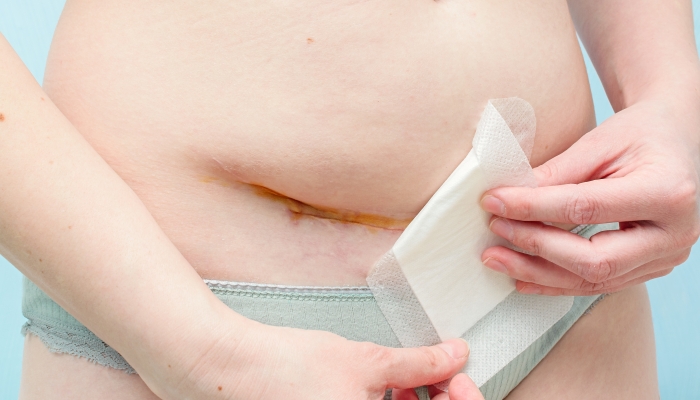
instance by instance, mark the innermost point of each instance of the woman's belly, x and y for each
(292, 143)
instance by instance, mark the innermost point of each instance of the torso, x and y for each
(290, 143)
(357, 110)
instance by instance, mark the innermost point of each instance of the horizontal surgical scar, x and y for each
(300, 209)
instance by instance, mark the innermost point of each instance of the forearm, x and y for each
(639, 48)
(71, 225)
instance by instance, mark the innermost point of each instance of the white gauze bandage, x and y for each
(432, 286)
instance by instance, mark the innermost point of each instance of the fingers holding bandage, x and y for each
(635, 169)
(536, 275)
(563, 263)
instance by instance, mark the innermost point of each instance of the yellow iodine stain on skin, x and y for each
(213, 179)
(300, 210)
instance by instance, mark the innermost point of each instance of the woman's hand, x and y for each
(285, 363)
(639, 168)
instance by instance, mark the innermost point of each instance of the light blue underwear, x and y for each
(350, 312)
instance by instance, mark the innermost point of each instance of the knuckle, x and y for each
(524, 209)
(665, 272)
(582, 285)
(683, 238)
(432, 359)
(531, 243)
(683, 257)
(377, 355)
(684, 195)
(693, 233)
(546, 170)
(594, 287)
(595, 269)
(600, 271)
(581, 209)
(520, 207)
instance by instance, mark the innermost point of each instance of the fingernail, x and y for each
(456, 348)
(496, 265)
(502, 228)
(493, 205)
(529, 289)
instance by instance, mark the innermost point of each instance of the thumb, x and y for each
(461, 388)
(586, 160)
(410, 368)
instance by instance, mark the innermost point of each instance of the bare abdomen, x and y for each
(358, 110)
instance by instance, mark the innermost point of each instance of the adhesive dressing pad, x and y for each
(432, 286)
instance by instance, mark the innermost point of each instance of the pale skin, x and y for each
(165, 116)
(646, 177)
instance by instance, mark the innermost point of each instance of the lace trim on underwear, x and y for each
(60, 338)
(64, 339)
(316, 293)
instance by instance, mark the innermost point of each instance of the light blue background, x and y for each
(28, 25)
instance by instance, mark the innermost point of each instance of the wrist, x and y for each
(211, 334)
(678, 88)
(180, 353)
(215, 356)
